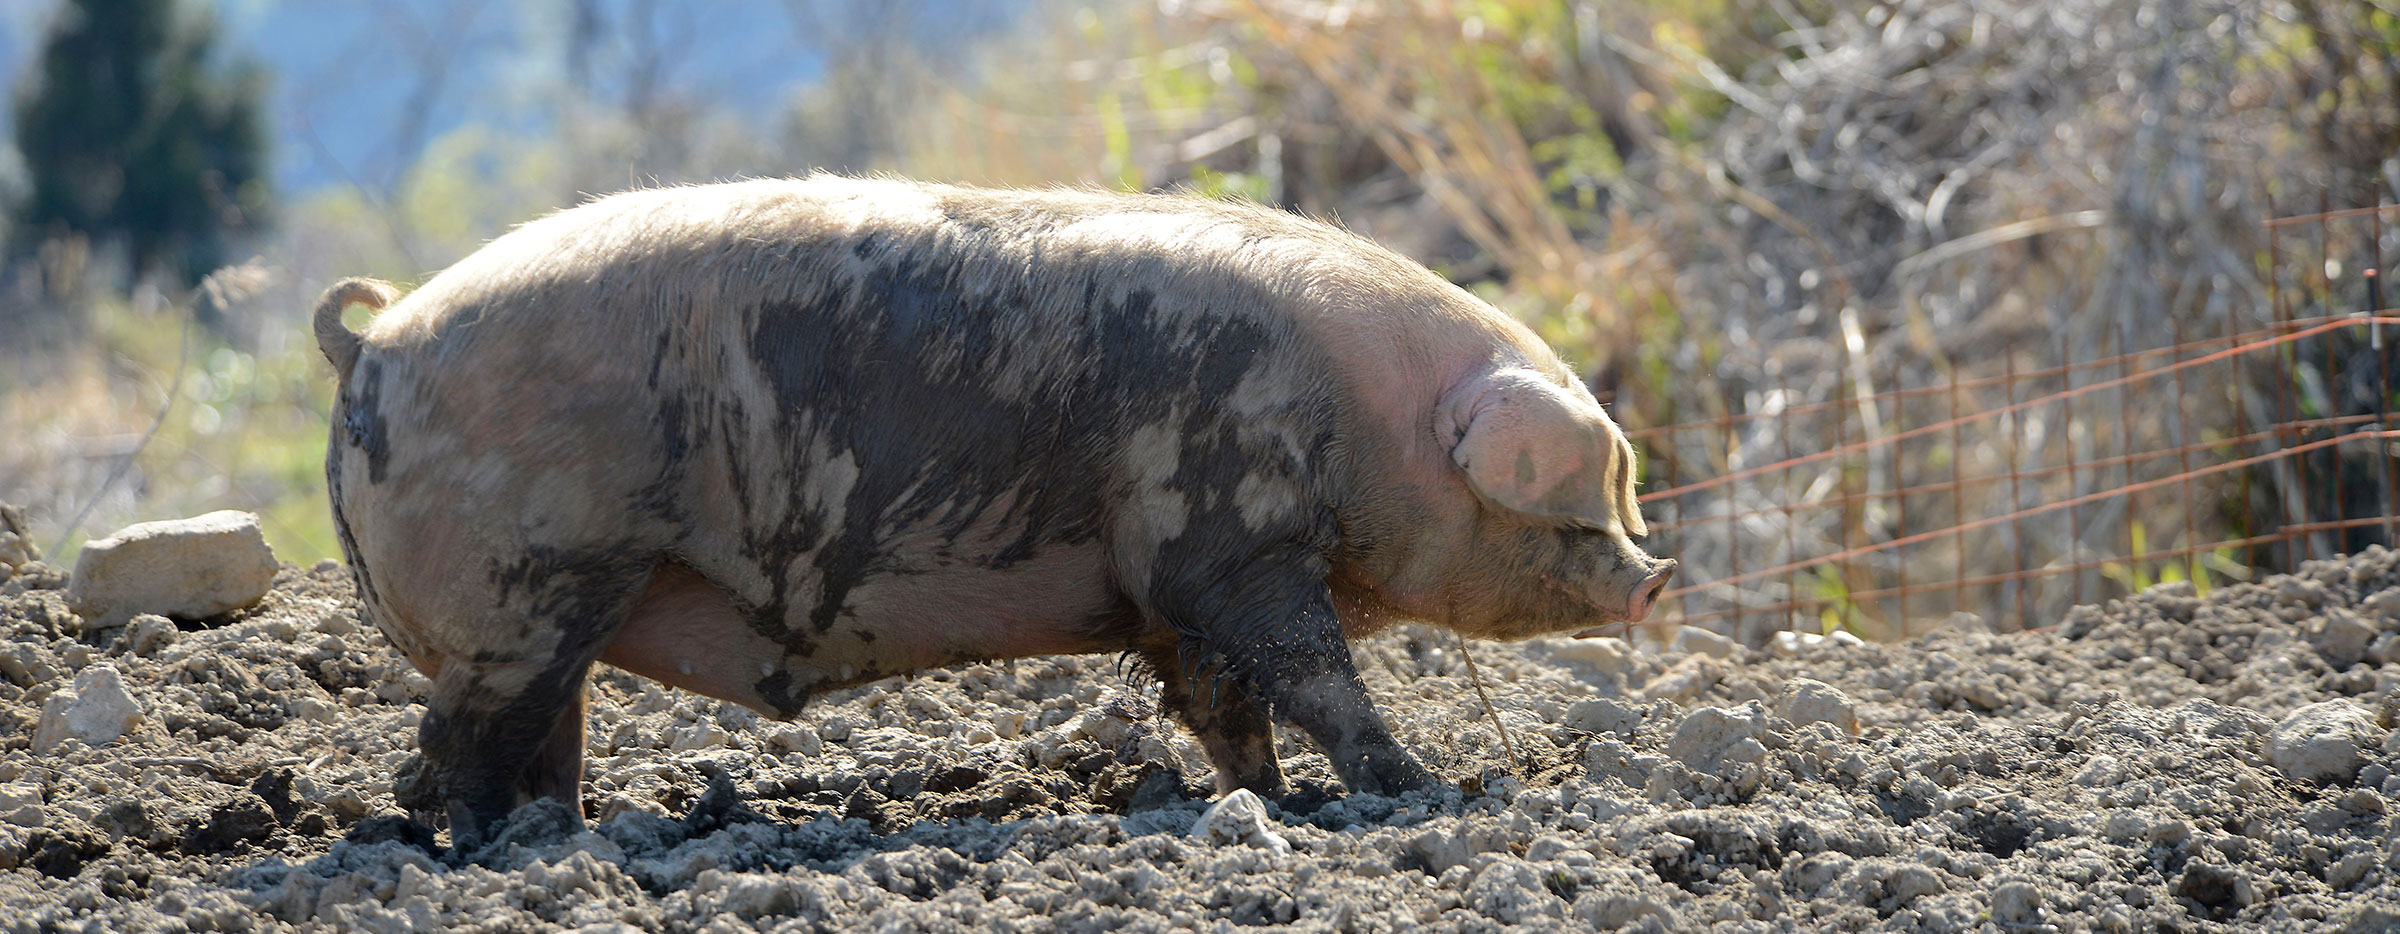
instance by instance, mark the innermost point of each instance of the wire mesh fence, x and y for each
(2052, 469)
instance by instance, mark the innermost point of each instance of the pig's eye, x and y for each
(1578, 536)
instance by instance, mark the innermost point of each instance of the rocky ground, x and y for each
(2162, 763)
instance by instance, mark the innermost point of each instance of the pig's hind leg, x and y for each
(493, 733)
(557, 768)
(501, 727)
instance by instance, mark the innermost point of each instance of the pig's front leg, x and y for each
(1233, 729)
(1269, 627)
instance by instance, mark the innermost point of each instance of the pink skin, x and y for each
(1440, 567)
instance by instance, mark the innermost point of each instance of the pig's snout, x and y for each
(1645, 594)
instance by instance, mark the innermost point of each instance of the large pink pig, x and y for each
(765, 439)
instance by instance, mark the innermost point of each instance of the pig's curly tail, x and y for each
(339, 343)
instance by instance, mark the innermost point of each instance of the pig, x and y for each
(765, 439)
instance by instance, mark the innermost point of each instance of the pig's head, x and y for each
(1548, 549)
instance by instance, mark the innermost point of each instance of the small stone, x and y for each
(799, 739)
(31, 576)
(1807, 701)
(2016, 903)
(698, 736)
(2342, 637)
(1685, 682)
(2103, 769)
(96, 710)
(1710, 737)
(2298, 591)
(1240, 817)
(1788, 643)
(2385, 649)
(148, 634)
(1601, 715)
(2349, 870)
(1511, 892)
(2384, 606)
(21, 804)
(2125, 824)
(16, 541)
(1693, 640)
(24, 665)
(193, 568)
(2321, 742)
(1606, 653)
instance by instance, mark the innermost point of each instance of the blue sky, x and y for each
(355, 86)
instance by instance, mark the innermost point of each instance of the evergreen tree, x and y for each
(130, 138)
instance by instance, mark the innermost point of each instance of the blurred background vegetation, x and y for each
(1711, 206)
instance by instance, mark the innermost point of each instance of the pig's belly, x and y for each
(687, 632)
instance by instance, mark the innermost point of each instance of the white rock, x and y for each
(1793, 643)
(149, 633)
(2320, 742)
(1240, 818)
(193, 568)
(698, 736)
(1606, 653)
(313, 709)
(799, 739)
(2384, 605)
(21, 804)
(1693, 640)
(2385, 649)
(1689, 679)
(1710, 737)
(1511, 892)
(1790, 643)
(16, 540)
(96, 710)
(24, 665)
(1601, 715)
(2342, 637)
(2348, 870)
(2016, 902)
(2103, 769)
(1807, 701)
(2126, 824)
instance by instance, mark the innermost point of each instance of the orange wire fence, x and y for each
(2019, 490)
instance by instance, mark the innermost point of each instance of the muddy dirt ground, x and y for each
(2162, 763)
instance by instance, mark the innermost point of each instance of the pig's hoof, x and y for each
(1393, 778)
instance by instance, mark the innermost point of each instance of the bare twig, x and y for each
(1507, 743)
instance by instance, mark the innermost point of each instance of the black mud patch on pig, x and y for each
(663, 497)
(362, 420)
(356, 428)
(581, 593)
(911, 337)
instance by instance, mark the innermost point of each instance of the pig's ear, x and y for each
(1629, 507)
(1531, 447)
